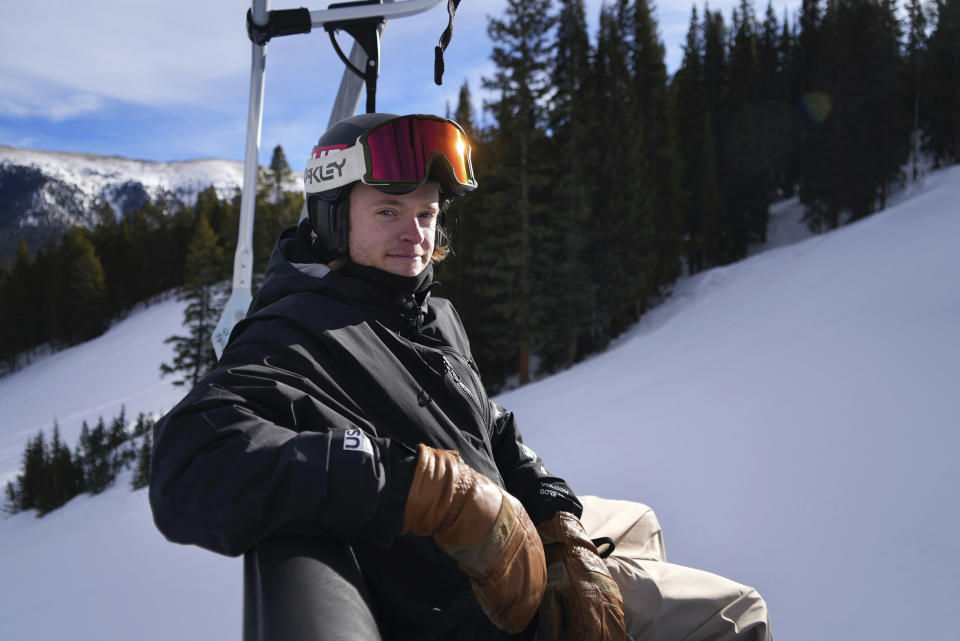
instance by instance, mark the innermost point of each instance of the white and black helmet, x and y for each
(395, 154)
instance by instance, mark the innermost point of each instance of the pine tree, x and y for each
(96, 457)
(141, 475)
(811, 86)
(144, 425)
(194, 355)
(864, 140)
(6, 322)
(224, 222)
(780, 122)
(708, 188)
(30, 482)
(278, 172)
(715, 65)
(117, 434)
(746, 166)
(79, 474)
(271, 219)
(915, 53)
(688, 97)
(11, 502)
(84, 300)
(654, 110)
(567, 292)
(942, 121)
(60, 478)
(890, 116)
(788, 92)
(107, 240)
(621, 198)
(521, 83)
(20, 327)
(723, 243)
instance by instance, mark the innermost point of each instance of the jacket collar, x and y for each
(399, 302)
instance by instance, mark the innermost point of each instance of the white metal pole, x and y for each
(351, 86)
(240, 296)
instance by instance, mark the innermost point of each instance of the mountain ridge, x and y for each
(44, 193)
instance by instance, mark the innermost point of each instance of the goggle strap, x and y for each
(331, 168)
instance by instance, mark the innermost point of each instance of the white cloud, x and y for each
(21, 98)
(148, 52)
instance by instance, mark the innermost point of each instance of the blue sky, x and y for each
(169, 79)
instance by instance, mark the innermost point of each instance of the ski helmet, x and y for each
(394, 154)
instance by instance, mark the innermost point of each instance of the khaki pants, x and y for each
(663, 601)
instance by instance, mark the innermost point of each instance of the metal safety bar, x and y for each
(385, 11)
(288, 22)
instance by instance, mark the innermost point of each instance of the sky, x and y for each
(791, 418)
(169, 80)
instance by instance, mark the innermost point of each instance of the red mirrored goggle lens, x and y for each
(400, 149)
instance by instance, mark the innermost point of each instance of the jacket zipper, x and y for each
(467, 391)
(475, 397)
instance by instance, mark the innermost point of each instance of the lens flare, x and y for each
(817, 105)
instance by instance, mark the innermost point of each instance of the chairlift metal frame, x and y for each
(264, 24)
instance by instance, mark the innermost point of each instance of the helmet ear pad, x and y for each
(329, 214)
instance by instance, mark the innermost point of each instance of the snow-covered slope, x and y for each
(794, 420)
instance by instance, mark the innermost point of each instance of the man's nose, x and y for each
(411, 231)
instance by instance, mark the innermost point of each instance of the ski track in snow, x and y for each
(792, 418)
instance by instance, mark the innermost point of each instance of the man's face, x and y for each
(393, 233)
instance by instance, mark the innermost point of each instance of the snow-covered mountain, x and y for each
(43, 193)
(794, 419)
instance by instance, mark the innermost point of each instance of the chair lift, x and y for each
(364, 20)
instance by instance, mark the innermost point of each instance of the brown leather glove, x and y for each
(485, 529)
(582, 601)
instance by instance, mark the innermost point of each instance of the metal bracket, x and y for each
(366, 32)
(284, 22)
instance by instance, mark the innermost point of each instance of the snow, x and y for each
(792, 418)
(121, 368)
(94, 175)
(103, 177)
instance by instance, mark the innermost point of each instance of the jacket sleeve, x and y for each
(524, 473)
(263, 445)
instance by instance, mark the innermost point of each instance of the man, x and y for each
(347, 406)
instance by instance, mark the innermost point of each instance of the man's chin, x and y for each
(403, 266)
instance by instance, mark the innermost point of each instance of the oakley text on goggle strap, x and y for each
(334, 166)
(398, 153)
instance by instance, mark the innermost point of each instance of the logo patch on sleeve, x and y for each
(356, 440)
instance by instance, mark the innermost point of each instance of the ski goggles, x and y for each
(396, 155)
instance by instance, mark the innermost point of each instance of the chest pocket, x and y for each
(466, 381)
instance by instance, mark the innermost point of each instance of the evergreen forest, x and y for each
(602, 177)
(50, 474)
(70, 292)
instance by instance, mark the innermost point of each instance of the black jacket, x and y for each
(309, 424)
